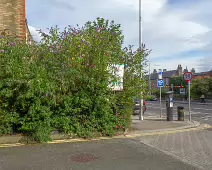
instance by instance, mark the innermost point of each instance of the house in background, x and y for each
(167, 75)
(13, 19)
(202, 75)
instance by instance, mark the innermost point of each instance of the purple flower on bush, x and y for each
(1, 51)
(47, 94)
(41, 91)
(117, 114)
(78, 46)
(12, 44)
(97, 37)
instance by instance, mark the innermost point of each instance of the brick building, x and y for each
(167, 75)
(13, 19)
(202, 75)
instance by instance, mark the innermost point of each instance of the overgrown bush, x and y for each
(201, 86)
(63, 83)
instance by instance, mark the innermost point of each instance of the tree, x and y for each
(63, 83)
(201, 86)
(178, 81)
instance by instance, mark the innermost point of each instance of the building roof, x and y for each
(202, 73)
(166, 74)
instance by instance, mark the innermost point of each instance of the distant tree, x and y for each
(201, 86)
(178, 81)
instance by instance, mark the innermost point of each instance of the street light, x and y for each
(150, 84)
(140, 47)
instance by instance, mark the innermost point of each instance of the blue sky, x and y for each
(177, 31)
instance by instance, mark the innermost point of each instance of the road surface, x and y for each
(115, 154)
(200, 112)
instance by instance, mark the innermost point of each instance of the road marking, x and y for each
(175, 108)
(201, 109)
(10, 145)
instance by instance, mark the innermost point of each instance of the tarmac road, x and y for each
(199, 112)
(115, 154)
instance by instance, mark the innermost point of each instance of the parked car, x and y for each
(153, 98)
(137, 106)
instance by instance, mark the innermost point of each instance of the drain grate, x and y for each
(83, 158)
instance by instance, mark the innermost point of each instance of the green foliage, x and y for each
(180, 96)
(178, 81)
(156, 92)
(201, 86)
(148, 97)
(62, 83)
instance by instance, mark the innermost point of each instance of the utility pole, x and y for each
(140, 47)
(189, 99)
(150, 84)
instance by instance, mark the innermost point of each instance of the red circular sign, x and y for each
(187, 76)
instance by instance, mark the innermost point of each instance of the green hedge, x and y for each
(62, 83)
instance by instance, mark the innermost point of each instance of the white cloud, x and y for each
(205, 63)
(35, 34)
(167, 30)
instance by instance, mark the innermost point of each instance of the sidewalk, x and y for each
(192, 147)
(156, 124)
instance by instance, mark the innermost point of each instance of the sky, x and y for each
(177, 31)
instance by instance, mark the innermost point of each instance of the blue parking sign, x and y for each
(160, 83)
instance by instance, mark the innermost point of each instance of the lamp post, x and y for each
(140, 47)
(150, 84)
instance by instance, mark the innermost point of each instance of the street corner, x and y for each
(192, 126)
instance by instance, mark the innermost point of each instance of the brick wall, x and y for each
(13, 18)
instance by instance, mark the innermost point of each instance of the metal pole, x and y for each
(140, 46)
(140, 24)
(160, 104)
(150, 84)
(189, 100)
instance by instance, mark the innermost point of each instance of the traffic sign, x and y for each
(160, 75)
(160, 83)
(187, 76)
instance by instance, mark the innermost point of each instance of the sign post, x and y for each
(160, 85)
(189, 99)
(187, 77)
(160, 105)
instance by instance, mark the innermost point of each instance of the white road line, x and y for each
(201, 109)
(176, 108)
